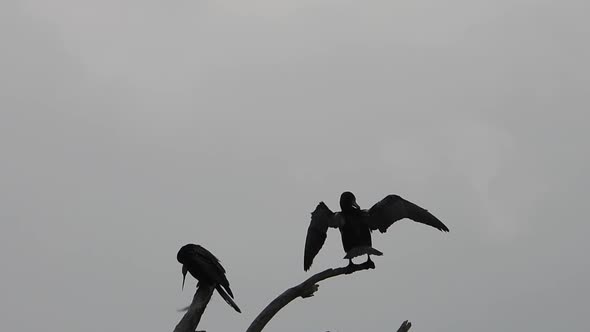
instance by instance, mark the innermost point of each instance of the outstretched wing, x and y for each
(393, 208)
(321, 218)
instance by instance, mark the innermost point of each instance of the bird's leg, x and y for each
(350, 263)
(369, 261)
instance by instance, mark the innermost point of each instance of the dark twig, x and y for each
(405, 326)
(305, 289)
(192, 317)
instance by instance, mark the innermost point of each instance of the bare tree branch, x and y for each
(305, 289)
(405, 326)
(192, 317)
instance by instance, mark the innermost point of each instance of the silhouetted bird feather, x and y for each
(205, 267)
(321, 219)
(355, 225)
(393, 208)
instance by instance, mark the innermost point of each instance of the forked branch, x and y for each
(192, 317)
(405, 327)
(304, 290)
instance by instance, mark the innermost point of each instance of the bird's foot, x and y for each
(369, 262)
(351, 267)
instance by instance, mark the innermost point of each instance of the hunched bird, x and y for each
(355, 224)
(205, 267)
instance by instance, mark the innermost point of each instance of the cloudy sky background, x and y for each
(129, 128)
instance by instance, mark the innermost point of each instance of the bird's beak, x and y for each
(355, 205)
(184, 271)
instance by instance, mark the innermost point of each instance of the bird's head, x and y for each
(182, 257)
(348, 201)
(184, 252)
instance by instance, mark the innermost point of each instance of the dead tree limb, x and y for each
(405, 326)
(192, 317)
(304, 290)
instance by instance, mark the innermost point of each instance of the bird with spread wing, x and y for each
(205, 267)
(355, 224)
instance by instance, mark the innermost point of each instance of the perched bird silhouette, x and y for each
(355, 225)
(206, 269)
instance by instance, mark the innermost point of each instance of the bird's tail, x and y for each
(362, 250)
(227, 298)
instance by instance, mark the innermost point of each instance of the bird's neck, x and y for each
(350, 210)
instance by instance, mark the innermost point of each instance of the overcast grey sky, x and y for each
(129, 128)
